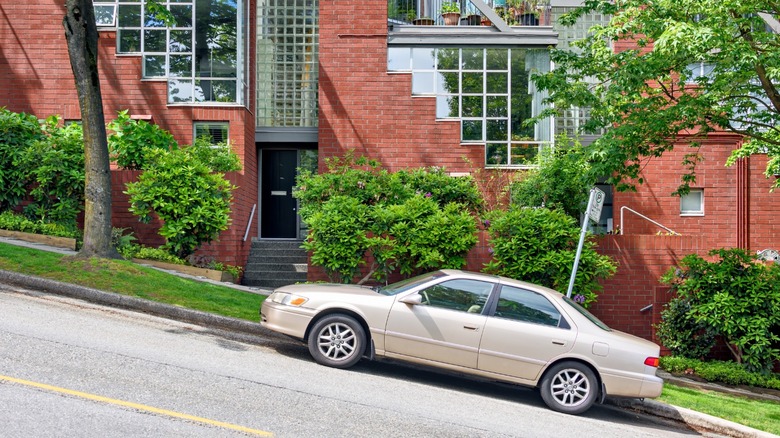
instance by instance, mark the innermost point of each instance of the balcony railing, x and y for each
(428, 12)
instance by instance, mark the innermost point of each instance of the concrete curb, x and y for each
(133, 303)
(696, 420)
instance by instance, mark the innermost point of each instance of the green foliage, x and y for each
(55, 166)
(449, 6)
(408, 221)
(337, 236)
(182, 189)
(730, 373)
(17, 133)
(736, 296)
(15, 222)
(134, 251)
(538, 245)
(649, 98)
(681, 333)
(132, 139)
(560, 182)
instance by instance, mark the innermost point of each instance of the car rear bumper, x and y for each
(638, 386)
(288, 320)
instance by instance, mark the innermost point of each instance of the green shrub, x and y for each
(147, 253)
(730, 373)
(736, 296)
(407, 221)
(132, 139)
(681, 333)
(15, 222)
(559, 182)
(55, 165)
(539, 245)
(337, 237)
(182, 188)
(17, 132)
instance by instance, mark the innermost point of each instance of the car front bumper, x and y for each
(288, 320)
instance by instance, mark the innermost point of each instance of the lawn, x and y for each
(127, 278)
(761, 415)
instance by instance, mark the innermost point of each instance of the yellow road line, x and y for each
(135, 406)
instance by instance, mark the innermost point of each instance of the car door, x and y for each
(525, 332)
(446, 327)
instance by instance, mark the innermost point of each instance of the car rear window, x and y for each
(586, 314)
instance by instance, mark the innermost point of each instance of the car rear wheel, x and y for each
(337, 341)
(569, 387)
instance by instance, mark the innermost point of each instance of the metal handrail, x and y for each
(645, 218)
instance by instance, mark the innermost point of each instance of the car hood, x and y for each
(313, 289)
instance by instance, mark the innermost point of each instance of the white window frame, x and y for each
(105, 4)
(694, 192)
(208, 125)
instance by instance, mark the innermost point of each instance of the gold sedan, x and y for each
(472, 323)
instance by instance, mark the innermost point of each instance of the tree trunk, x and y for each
(82, 37)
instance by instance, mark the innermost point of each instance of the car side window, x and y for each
(463, 295)
(527, 306)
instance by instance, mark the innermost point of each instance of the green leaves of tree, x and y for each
(648, 99)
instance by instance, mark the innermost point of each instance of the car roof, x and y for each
(492, 277)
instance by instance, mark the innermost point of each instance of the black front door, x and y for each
(279, 215)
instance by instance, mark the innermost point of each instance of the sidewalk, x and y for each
(239, 329)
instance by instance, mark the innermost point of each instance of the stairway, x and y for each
(275, 263)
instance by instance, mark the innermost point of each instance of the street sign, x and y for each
(598, 203)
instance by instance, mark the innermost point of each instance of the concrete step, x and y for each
(288, 259)
(276, 244)
(277, 267)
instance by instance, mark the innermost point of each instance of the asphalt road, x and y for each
(69, 368)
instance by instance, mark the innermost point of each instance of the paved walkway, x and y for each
(240, 329)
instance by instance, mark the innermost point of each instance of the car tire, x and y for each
(337, 341)
(569, 387)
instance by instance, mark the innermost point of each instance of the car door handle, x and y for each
(471, 327)
(558, 342)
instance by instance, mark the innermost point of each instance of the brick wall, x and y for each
(362, 107)
(35, 77)
(739, 208)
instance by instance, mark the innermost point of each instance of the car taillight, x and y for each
(652, 362)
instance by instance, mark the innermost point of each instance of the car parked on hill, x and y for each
(473, 323)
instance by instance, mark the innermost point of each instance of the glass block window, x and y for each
(216, 132)
(569, 121)
(287, 63)
(692, 204)
(488, 90)
(200, 55)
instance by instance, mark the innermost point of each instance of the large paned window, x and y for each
(570, 120)
(201, 55)
(287, 63)
(488, 90)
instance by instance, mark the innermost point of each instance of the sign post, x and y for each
(593, 212)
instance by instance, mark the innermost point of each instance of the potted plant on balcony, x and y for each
(450, 13)
(421, 21)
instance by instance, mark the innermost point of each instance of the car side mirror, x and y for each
(413, 299)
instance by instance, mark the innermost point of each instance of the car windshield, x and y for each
(586, 314)
(404, 285)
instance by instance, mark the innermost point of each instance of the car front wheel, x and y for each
(569, 387)
(337, 341)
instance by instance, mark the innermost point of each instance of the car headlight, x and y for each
(287, 299)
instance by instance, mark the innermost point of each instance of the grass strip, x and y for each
(758, 414)
(127, 278)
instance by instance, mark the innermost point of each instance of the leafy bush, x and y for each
(132, 139)
(55, 166)
(407, 221)
(182, 187)
(681, 333)
(539, 245)
(15, 222)
(17, 132)
(560, 182)
(730, 373)
(736, 296)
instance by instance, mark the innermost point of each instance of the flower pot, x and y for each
(473, 20)
(423, 22)
(451, 18)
